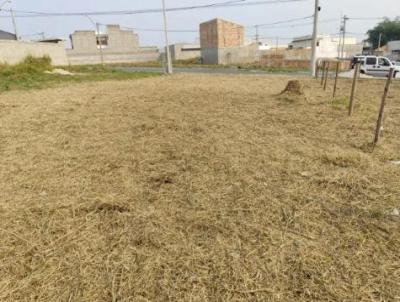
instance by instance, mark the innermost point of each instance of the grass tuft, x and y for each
(341, 103)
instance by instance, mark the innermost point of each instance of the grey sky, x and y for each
(63, 26)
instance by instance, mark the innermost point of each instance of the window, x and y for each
(383, 62)
(371, 61)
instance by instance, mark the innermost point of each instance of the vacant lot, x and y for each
(198, 188)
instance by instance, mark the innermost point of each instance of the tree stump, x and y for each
(293, 88)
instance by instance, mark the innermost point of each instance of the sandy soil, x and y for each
(198, 188)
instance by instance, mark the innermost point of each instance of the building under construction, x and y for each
(216, 35)
(114, 46)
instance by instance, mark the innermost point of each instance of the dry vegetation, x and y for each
(198, 188)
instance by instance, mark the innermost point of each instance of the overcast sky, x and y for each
(188, 20)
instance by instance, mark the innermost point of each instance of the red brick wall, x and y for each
(218, 33)
(279, 61)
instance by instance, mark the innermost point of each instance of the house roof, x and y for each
(50, 40)
(4, 35)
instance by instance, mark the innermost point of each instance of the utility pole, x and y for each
(17, 37)
(98, 40)
(276, 45)
(344, 26)
(100, 43)
(380, 41)
(257, 34)
(340, 38)
(167, 50)
(315, 38)
(15, 25)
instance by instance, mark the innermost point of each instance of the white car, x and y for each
(378, 66)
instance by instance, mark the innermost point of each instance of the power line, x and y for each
(301, 24)
(368, 18)
(238, 3)
(159, 29)
(284, 21)
(247, 26)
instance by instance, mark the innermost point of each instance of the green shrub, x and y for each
(33, 65)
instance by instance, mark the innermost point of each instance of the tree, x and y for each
(390, 31)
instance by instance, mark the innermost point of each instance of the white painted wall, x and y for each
(394, 46)
(329, 47)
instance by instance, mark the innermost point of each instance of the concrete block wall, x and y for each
(84, 41)
(145, 54)
(278, 61)
(239, 55)
(210, 56)
(121, 40)
(181, 52)
(122, 47)
(13, 52)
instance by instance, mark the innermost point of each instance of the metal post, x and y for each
(326, 75)
(167, 50)
(379, 125)
(315, 39)
(323, 72)
(353, 88)
(318, 69)
(336, 78)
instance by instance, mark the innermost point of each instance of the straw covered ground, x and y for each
(198, 188)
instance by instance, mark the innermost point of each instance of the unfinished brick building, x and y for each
(219, 34)
(117, 45)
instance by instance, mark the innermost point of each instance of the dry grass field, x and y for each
(198, 188)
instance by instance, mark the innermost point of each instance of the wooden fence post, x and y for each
(379, 124)
(317, 71)
(353, 88)
(323, 72)
(326, 74)
(336, 78)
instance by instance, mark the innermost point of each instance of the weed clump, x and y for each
(28, 66)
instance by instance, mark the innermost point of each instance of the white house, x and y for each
(393, 49)
(328, 47)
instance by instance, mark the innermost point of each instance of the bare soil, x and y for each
(198, 188)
